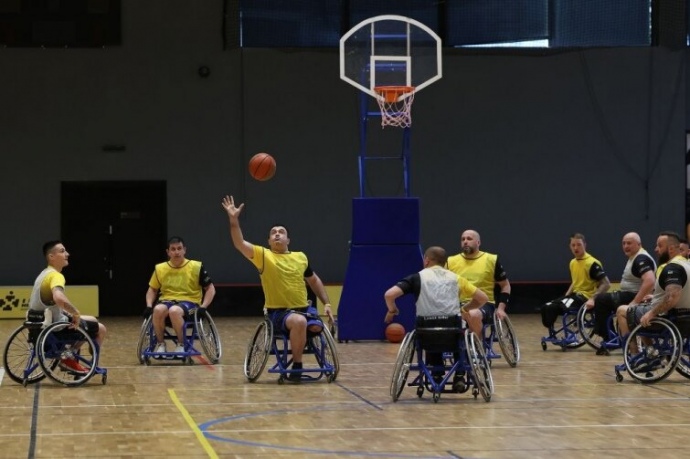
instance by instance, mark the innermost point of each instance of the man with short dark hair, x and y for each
(176, 288)
(48, 296)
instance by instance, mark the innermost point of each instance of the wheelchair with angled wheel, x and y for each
(267, 340)
(568, 335)
(198, 327)
(65, 354)
(444, 357)
(503, 332)
(585, 324)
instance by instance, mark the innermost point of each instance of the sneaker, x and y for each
(179, 348)
(73, 366)
(603, 351)
(294, 376)
(160, 348)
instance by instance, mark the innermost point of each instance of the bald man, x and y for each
(637, 282)
(484, 270)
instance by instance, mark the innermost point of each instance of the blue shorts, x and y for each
(279, 316)
(187, 306)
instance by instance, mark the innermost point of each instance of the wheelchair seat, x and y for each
(439, 333)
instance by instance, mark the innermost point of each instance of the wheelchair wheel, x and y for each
(58, 342)
(208, 335)
(480, 365)
(144, 344)
(258, 350)
(326, 354)
(507, 340)
(652, 353)
(585, 324)
(19, 357)
(571, 336)
(402, 365)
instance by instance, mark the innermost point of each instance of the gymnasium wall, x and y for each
(525, 147)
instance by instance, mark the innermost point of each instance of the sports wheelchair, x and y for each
(585, 324)
(463, 365)
(501, 331)
(267, 341)
(34, 351)
(568, 336)
(650, 354)
(198, 325)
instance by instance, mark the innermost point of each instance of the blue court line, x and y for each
(34, 423)
(372, 404)
(204, 428)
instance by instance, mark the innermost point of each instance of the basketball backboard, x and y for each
(390, 50)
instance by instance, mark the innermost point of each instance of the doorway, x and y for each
(115, 232)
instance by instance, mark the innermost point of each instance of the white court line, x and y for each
(2, 375)
(354, 429)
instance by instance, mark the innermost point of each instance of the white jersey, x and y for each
(438, 294)
(52, 312)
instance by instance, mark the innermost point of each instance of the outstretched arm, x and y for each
(246, 248)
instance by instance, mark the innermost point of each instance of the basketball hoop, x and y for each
(395, 112)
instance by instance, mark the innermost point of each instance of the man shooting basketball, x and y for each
(282, 274)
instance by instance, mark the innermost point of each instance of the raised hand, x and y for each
(229, 206)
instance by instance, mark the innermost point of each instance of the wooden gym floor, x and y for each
(554, 404)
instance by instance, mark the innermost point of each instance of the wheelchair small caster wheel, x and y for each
(189, 361)
(475, 392)
(420, 391)
(564, 348)
(543, 345)
(281, 380)
(330, 378)
(619, 376)
(436, 397)
(104, 379)
(147, 361)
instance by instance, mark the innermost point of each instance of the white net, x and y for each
(394, 112)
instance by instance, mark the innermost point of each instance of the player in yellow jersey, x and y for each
(484, 270)
(283, 274)
(176, 287)
(588, 279)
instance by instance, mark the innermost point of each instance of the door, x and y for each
(115, 232)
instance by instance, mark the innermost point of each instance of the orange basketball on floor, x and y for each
(262, 167)
(395, 333)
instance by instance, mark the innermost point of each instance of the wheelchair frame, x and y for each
(265, 342)
(503, 332)
(199, 326)
(33, 352)
(585, 323)
(472, 361)
(569, 335)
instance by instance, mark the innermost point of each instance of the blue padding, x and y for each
(373, 269)
(385, 221)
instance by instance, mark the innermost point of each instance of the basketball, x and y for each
(262, 167)
(395, 333)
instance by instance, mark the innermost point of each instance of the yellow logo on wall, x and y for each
(14, 300)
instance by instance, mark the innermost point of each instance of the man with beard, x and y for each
(671, 278)
(484, 270)
(637, 282)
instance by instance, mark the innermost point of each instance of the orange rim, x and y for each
(391, 93)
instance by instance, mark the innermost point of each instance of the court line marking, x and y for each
(190, 421)
(2, 375)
